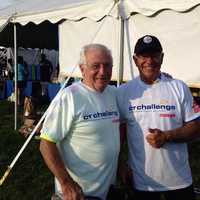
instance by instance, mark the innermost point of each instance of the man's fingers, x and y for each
(155, 140)
(73, 192)
(152, 130)
(150, 137)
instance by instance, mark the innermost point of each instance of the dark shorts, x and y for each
(182, 194)
(56, 197)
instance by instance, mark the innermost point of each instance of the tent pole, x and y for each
(49, 109)
(16, 74)
(121, 49)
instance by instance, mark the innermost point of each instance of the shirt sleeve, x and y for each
(188, 110)
(59, 118)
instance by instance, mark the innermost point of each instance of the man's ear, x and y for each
(82, 70)
(81, 67)
(161, 60)
(135, 59)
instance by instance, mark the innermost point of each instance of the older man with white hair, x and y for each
(80, 138)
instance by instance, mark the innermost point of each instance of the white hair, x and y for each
(82, 59)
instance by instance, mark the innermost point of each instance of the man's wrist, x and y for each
(67, 179)
(168, 137)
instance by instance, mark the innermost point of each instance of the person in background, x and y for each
(22, 75)
(80, 135)
(10, 68)
(46, 68)
(160, 121)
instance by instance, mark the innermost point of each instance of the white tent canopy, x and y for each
(175, 23)
(39, 10)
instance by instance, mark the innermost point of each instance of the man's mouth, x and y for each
(102, 79)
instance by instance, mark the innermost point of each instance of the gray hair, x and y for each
(82, 59)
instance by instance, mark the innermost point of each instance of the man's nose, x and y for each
(149, 59)
(103, 68)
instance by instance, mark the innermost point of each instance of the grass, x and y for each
(30, 178)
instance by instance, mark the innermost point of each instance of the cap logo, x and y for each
(147, 39)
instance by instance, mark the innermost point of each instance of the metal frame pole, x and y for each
(16, 75)
(121, 48)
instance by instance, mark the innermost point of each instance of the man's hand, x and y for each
(72, 191)
(156, 138)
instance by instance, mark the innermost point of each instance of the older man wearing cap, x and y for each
(160, 120)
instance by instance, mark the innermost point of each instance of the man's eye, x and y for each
(96, 66)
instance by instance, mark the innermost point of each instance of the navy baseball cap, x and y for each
(148, 44)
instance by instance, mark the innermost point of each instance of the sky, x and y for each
(5, 3)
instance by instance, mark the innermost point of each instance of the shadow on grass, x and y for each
(29, 178)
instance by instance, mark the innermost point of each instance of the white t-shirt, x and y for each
(165, 105)
(85, 125)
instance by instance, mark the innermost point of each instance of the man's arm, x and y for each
(71, 190)
(187, 132)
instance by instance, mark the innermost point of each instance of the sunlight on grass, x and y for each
(30, 179)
